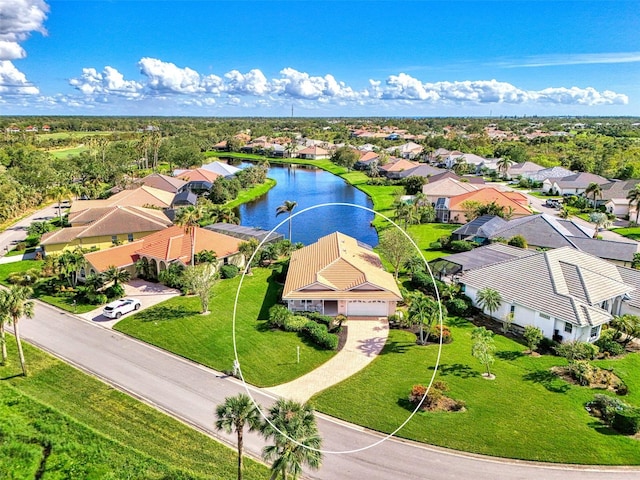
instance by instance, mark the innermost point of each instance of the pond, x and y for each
(309, 187)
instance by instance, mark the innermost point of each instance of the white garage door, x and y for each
(367, 308)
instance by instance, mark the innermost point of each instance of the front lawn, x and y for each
(629, 232)
(61, 423)
(267, 357)
(525, 413)
(425, 234)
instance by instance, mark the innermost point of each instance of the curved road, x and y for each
(190, 392)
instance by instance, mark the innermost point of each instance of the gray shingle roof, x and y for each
(618, 189)
(483, 226)
(477, 258)
(564, 283)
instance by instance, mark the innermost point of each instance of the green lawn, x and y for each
(67, 424)
(629, 232)
(245, 196)
(525, 413)
(67, 152)
(428, 233)
(267, 357)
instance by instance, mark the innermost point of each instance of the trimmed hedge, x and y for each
(627, 421)
(320, 335)
(295, 323)
(229, 271)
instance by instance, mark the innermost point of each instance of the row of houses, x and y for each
(28, 129)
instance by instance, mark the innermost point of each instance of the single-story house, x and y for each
(455, 208)
(221, 168)
(446, 186)
(566, 293)
(548, 231)
(614, 197)
(574, 184)
(199, 179)
(367, 158)
(157, 251)
(138, 197)
(423, 170)
(524, 169)
(339, 275)
(479, 229)
(547, 173)
(407, 150)
(394, 169)
(469, 158)
(163, 182)
(103, 227)
(313, 153)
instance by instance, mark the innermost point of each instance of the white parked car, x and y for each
(117, 308)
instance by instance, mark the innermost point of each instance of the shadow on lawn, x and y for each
(396, 347)
(271, 297)
(163, 313)
(603, 429)
(508, 355)
(457, 370)
(548, 380)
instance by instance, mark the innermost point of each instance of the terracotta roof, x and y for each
(488, 195)
(169, 245)
(336, 266)
(199, 175)
(314, 150)
(139, 197)
(448, 187)
(399, 166)
(163, 182)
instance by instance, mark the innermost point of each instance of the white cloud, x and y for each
(13, 81)
(166, 77)
(580, 96)
(11, 50)
(110, 81)
(403, 86)
(301, 85)
(480, 91)
(574, 59)
(252, 83)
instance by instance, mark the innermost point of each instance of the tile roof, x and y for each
(169, 245)
(139, 197)
(162, 182)
(337, 266)
(447, 187)
(524, 167)
(199, 175)
(422, 170)
(399, 165)
(618, 189)
(107, 221)
(488, 195)
(551, 173)
(313, 150)
(582, 179)
(221, 168)
(478, 258)
(564, 283)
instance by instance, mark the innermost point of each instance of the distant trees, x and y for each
(345, 157)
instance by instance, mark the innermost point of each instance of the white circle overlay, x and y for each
(235, 307)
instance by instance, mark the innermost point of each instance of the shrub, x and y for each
(547, 345)
(435, 332)
(319, 318)
(606, 343)
(606, 406)
(518, 241)
(20, 246)
(435, 245)
(582, 372)
(295, 323)
(461, 246)
(229, 271)
(278, 315)
(457, 307)
(575, 350)
(627, 420)
(172, 276)
(31, 241)
(533, 336)
(114, 291)
(319, 334)
(423, 281)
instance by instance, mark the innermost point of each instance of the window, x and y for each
(130, 237)
(513, 309)
(568, 327)
(595, 331)
(545, 316)
(114, 239)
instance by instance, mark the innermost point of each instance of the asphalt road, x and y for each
(18, 231)
(190, 392)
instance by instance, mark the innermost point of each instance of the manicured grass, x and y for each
(525, 413)
(629, 232)
(428, 233)
(245, 196)
(70, 425)
(68, 152)
(22, 266)
(267, 357)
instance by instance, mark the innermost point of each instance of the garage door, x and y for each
(367, 308)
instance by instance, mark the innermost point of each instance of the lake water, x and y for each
(309, 187)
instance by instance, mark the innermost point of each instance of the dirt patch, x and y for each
(599, 378)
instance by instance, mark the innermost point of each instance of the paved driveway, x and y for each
(148, 293)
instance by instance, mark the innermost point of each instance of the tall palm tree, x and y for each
(296, 440)
(59, 193)
(634, 198)
(4, 319)
(233, 415)
(423, 310)
(70, 263)
(489, 299)
(222, 214)
(189, 218)
(595, 190)
(503, 165)
(247, 249)
(18, 305)
(287, 207)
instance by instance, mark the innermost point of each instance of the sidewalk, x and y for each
(365, 340)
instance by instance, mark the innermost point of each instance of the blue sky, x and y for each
(332, 58)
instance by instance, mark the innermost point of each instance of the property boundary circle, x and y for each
(235, 308)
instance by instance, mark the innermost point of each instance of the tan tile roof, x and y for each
(199, 175)
(399, 166)
(337, 267)
(314, 150)
(162, 182)
(139, 197)
(168, 245)
(448, 187)
(106, 221)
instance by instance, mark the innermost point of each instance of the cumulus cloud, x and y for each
(110, 81)
(252, 83)
(13, 81)
(166, 77)
(580, 96)
(301, 85)
(406, 87)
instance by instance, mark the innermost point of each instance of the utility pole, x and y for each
(292, 110)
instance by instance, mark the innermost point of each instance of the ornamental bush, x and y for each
(607, 344)
(458, 307)
(278, 316)
(627, 421)
(295, 323)
(229, 271)
(319, 334)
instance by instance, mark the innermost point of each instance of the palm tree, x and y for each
(296, 440)
(116, 275)
(233, 415)
(489, 299)
(247, 249)
(70, 262)
(16, 305)
(634, 198)
(59, 193)
(221, 214)
(4, 319)
(188, 218)
(503, 165)
(601, 220)
(423, 309)
(404, 213)
(595, 190)
(287, 207)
